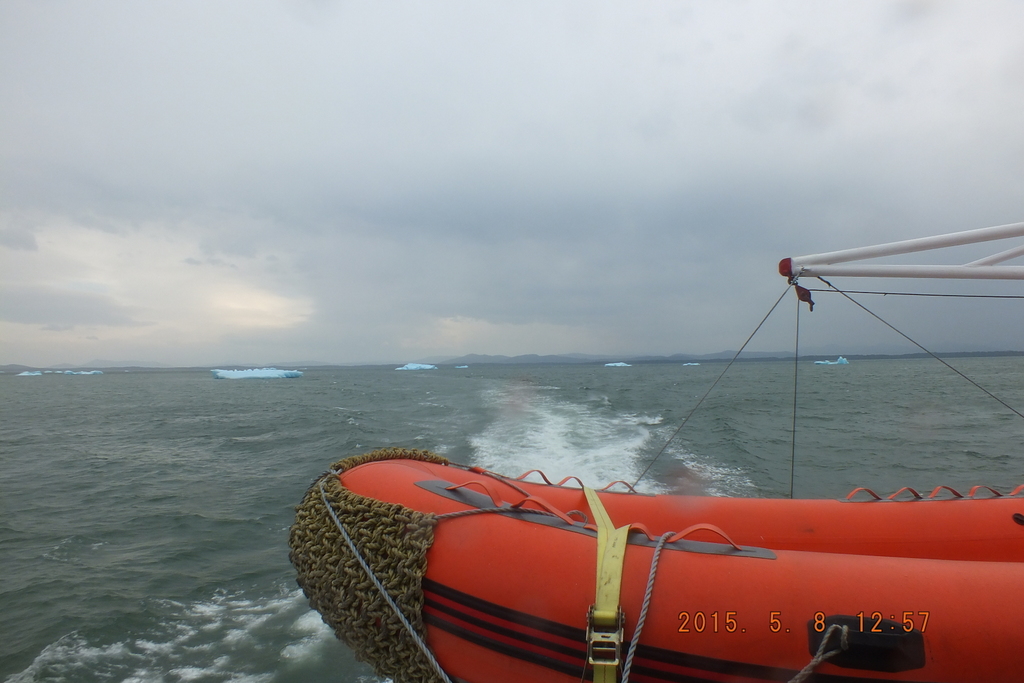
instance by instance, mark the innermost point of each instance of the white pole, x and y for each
(947, 272)
(999, 258)
(921, 244)
(981, 269)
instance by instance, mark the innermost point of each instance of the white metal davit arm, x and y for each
(982, 269)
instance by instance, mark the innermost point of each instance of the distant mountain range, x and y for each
(568, 358)
(580, 358)
(100, 363)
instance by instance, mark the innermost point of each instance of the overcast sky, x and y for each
(262, 181)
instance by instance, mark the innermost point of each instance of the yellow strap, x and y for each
(611, 552)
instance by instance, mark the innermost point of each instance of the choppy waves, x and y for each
(229, 638)
(159, 553)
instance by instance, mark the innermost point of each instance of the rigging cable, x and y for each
(796, 372)
(710, 389)
(876, 317)
(947, 296)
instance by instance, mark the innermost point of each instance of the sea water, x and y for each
(144, 515)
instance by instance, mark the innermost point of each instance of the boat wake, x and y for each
(687, 473)
(534, 428)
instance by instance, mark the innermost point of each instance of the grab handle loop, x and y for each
(619, 481)
(546, 506)
(495, 498)
(703, 527)
(543, 476)
(606, 620)
(915, 494)
(981, 487)
(939, 489)
(866, 490)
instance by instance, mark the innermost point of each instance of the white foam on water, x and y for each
(700, 475)
(535, 429)
(228, 638)
(313, 634)
(69, 658)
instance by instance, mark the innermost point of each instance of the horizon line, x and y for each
(522, 359)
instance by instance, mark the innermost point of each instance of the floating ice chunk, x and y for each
(461, 367)
(838, 361)
(617, 365)
(33, 373)
(417, 366)
(691, 363)
(255, 373)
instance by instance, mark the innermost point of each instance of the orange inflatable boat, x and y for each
(506, 581)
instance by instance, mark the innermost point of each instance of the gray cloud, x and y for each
(18, 238)
(63, 310)
(620, 170)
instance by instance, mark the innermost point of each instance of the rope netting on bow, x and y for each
(393, 540)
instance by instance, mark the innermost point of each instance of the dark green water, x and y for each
(144, 515)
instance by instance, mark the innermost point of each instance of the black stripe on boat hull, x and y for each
(504, 648)
(534, 640)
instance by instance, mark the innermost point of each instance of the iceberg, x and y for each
(691, 363)
(417, 366)
(838, 361)
(33, 373)
(255, 373)
(617, 365)
(461, 367)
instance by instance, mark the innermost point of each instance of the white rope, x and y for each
(821, 655)
(383, 591)
(643, 609)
